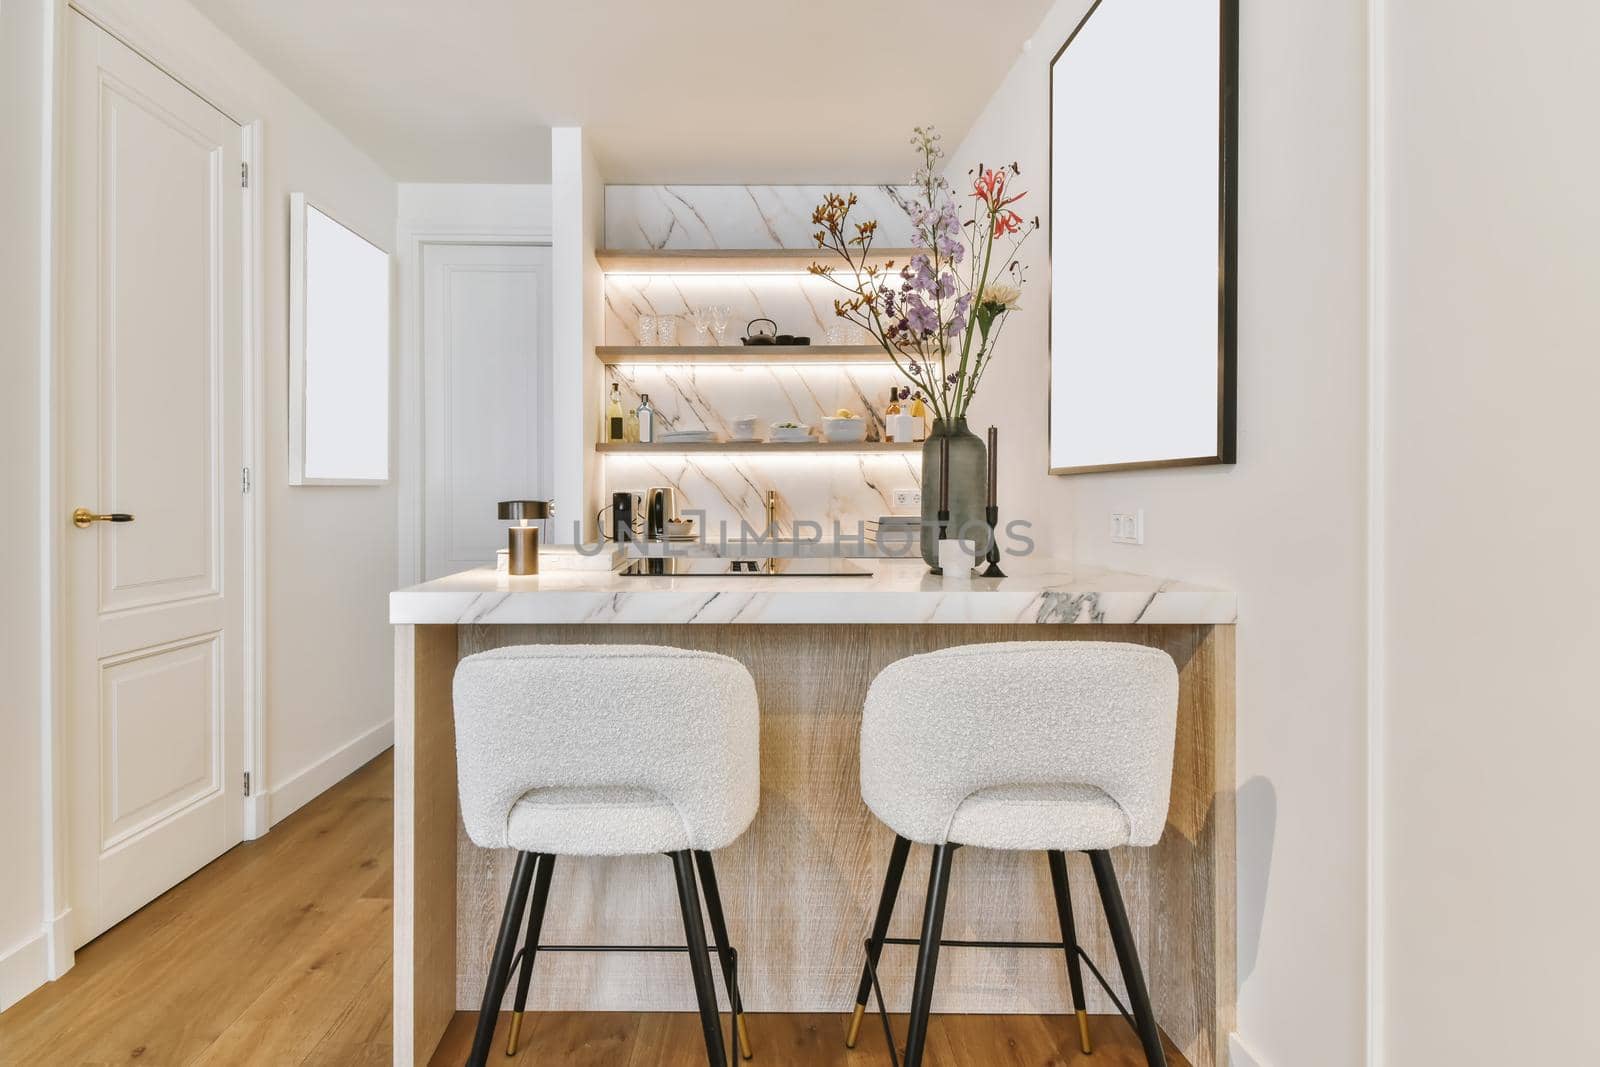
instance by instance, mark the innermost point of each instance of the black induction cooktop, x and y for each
(719, 567)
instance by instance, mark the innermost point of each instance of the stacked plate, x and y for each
(688, 437)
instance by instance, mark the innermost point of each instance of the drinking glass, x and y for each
(666, 329)
(647, 329)
(700, 319)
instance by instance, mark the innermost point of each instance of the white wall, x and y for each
(1285, 527)
(22, 72)
(330, 552)
(1490, 440)
(576, 316)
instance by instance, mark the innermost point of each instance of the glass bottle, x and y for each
(614, 414)
(646, 417)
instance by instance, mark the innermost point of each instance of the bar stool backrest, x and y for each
(679, 723)
(939, 727)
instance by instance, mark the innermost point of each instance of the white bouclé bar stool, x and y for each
(1055, 746)
(607, 750)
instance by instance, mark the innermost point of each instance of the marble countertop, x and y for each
(898, 591)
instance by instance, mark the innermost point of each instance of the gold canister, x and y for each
(523, 550)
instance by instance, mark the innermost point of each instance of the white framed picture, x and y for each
(1143, 237)
(338, 352)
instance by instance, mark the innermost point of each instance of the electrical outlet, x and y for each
(1127, 527)
(908, 498)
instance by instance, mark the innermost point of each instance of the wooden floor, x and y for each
(279, 954)
(674, 1040)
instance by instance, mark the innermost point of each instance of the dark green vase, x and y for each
(969, 483)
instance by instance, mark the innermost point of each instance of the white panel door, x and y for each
(151, 428)
(486, 385)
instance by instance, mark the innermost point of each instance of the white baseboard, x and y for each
(58, 945)
(288, 797)
(257, 816)
(23, 968)
(1239, 1056)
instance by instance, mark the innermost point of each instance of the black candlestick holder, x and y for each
(991, 515)
(944, 525)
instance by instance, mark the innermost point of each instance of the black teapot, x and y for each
(754, 335)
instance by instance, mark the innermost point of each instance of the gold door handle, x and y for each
(83, 517)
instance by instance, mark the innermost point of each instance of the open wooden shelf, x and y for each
(730, 260)
(735, 355)
(754, 448)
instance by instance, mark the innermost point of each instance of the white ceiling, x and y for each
(670, 90)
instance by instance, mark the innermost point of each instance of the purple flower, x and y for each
(919, 274)
(922, 318)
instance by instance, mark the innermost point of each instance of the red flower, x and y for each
(1007, 222)
(990, 187)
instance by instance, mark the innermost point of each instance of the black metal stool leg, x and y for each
(880, 930)
(1069, 938)
(1144, 1018)
(694, 932)
(505, 948)
(928, 952)
(530, 945)
(725, 953)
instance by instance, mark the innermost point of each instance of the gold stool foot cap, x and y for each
(855, 1026)
(516, 1031)
(745, 1052)
(1083, 1033)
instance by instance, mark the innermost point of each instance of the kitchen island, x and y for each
(801, 885)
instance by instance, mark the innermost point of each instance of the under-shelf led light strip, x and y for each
(853, 455)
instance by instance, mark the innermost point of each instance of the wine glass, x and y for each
(719, 321)
(700, 319)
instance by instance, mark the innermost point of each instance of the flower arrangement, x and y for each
(940, 315)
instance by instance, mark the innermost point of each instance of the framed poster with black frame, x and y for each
(1143, 237)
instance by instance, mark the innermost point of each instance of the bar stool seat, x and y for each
(1071, 817)
(596, 821)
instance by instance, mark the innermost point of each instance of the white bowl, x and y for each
(791, 433)
(845, 430)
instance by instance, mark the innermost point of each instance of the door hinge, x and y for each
(246, 783)
(244, 480)
(244, 175)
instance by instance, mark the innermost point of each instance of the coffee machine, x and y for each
(661, 507)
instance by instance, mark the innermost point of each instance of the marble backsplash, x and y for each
(741, 216)
(799, 304)
(711, 397)
(823, 488)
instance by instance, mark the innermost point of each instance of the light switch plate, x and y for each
(1127, 527)
(908, 498)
